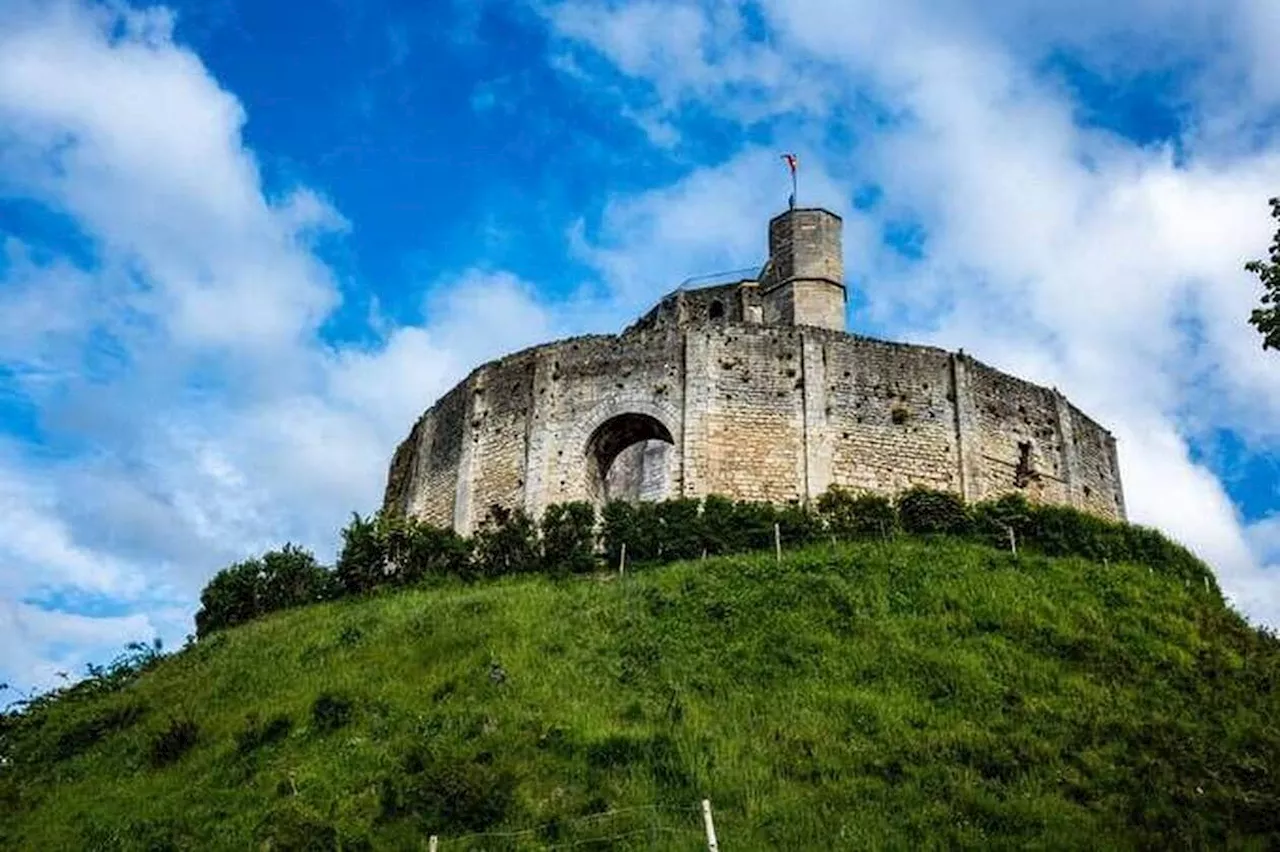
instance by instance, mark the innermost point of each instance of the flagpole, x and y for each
(793, 164)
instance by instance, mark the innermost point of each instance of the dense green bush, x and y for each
(850, 516)
(448, 797)
(569, 538)
(277, 580)
(753, 523)
(679, 529)
(257, 733)
(291, 577)
(507, 543)
(230, 598)
(633, 524)
(797, 525)
(393, 550)
(362, 562)
(924, 511)
(992, 520)
(430, 551)
(719, 525)
(389, 549)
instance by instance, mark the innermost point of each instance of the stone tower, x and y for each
(803, 282)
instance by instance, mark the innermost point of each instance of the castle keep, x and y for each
(752, 390)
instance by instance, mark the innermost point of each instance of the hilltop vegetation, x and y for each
(895, 679)
(392, 551)
(919, 692)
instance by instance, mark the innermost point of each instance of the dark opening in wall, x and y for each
(716, 311)
(1023, 474)
(617, 437)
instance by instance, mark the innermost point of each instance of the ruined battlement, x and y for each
(752, 390)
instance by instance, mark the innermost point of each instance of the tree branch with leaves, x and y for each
(1267, 317)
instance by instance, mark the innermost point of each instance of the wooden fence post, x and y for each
(622, 559)
(1013, 542)
(712, 846)
(777, 541)
(433, 844)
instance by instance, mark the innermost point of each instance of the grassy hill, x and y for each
(916, 694)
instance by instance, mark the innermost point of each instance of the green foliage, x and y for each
(507, 543)
(923, 511)
(910, 694)
(679, 532)
(719, 525)
(568, 538)
(992, 520)
(753, 525)
(797, 525)
(293, 827)
(1267, 317)
(230, 598)
(389, 549)
(850, 516)
(363, 561)
(1061, 530)
(257, 733)
(170, 744)
(448, 796)
(635, 524)
(84, 733)
(330, 711)
(291, 577)
(429, 552)
(278, 580)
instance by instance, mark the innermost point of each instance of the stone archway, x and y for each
(628, 458)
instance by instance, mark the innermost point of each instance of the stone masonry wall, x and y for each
(744, 424)
(891, 418)
(750, 411)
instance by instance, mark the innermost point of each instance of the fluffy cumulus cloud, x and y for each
(1005, 219)
(190, 412)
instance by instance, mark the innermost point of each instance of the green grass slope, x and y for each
(912, 695)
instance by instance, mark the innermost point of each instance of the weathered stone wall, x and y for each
(891, 419)
(744, 423)
(1097, 467)
(1020, 437)
(751, 411)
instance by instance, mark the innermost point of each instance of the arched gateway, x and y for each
(750, 389)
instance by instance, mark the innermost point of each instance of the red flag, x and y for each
(792, 162)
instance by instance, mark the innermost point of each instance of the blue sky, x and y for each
(243, 245)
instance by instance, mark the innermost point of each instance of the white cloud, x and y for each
(108, 120)
(187, 352)
(45, 649)
(713, 221)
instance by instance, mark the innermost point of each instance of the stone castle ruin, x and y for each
(752, 390)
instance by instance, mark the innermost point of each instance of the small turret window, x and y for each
(716, 311)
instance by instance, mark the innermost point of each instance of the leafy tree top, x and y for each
(1267, 318)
